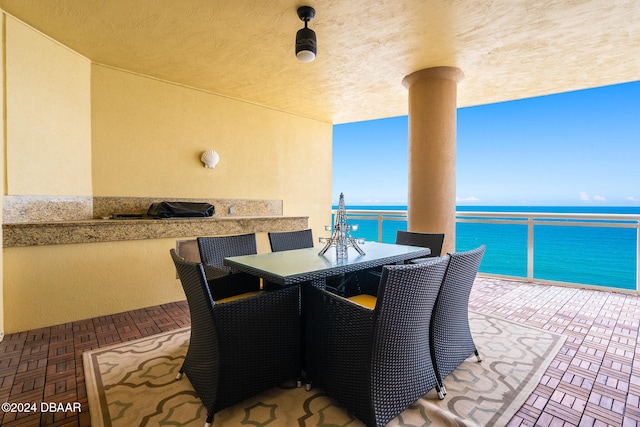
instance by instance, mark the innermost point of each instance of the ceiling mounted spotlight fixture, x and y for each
(306, 37)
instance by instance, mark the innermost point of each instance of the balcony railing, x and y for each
(594, 250)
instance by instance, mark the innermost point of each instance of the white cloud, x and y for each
(585, 197)
(467, 199)
(632, 199)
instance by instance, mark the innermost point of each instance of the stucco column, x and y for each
(432, 151)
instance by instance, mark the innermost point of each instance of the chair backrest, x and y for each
(289, 240)
(406, 293)
(432, 241)
(451, 340)
(196, 289)
(203, 364)
(406, 298)
(213, 250)
(458, 280)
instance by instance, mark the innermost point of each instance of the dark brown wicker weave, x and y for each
(289, 240)
(432, 241)
(213, 250)
(373, 361)
(451, 340)
(240, 348)
(369, 283)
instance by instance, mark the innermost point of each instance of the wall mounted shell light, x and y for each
(210, 158)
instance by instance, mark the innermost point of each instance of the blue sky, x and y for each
(573, 149)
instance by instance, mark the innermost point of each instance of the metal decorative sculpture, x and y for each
(341, 237)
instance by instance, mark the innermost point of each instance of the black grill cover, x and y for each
(180, 210)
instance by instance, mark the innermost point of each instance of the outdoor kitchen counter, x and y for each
(109, 230)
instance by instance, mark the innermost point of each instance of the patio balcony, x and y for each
(113, 101)
(126, 110)
(592, 380)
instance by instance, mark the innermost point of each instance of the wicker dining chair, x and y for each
(213, 250)
(238, 348)
(433, 241)
(372, 361)
(450, 334)
(222, 280)
(289, 240)
(368, 283)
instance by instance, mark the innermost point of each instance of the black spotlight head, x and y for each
(306, 46)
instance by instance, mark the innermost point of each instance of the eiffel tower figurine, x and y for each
(341, 237)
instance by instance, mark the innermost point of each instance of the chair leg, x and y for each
(440, 388)
(209, 422)
(179, 376)
(478, 356)
(440, 391)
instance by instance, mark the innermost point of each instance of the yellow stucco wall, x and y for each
(49, 285)
(114, 133)
(2, 180)
(48, 116)
(148, 135)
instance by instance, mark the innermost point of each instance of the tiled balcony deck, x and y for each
(593, 381)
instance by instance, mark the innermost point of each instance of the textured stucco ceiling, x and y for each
(507, 49)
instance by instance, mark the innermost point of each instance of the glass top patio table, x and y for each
(303, 265)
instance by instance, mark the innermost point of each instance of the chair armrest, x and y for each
(214, 272)
(257, 323)
(339, 337)
(259, 342)
(336, 325)
(232, 284)
(338, 304)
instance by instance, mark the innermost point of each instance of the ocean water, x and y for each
(600, 256)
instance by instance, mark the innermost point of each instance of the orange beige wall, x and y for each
(2, 156)
(48, 116)
(75, 282)
(148, 135)
(77, 128)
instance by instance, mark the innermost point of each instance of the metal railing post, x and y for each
(638, 256)
(530, 247)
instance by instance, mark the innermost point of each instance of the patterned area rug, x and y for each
(133, 383)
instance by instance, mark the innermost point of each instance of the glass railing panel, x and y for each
(367, 229)
(601, 256)
(377, 226)
(586, 249)
(506, 252)
(391, 227)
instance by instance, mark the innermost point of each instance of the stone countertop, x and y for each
(110, 230)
